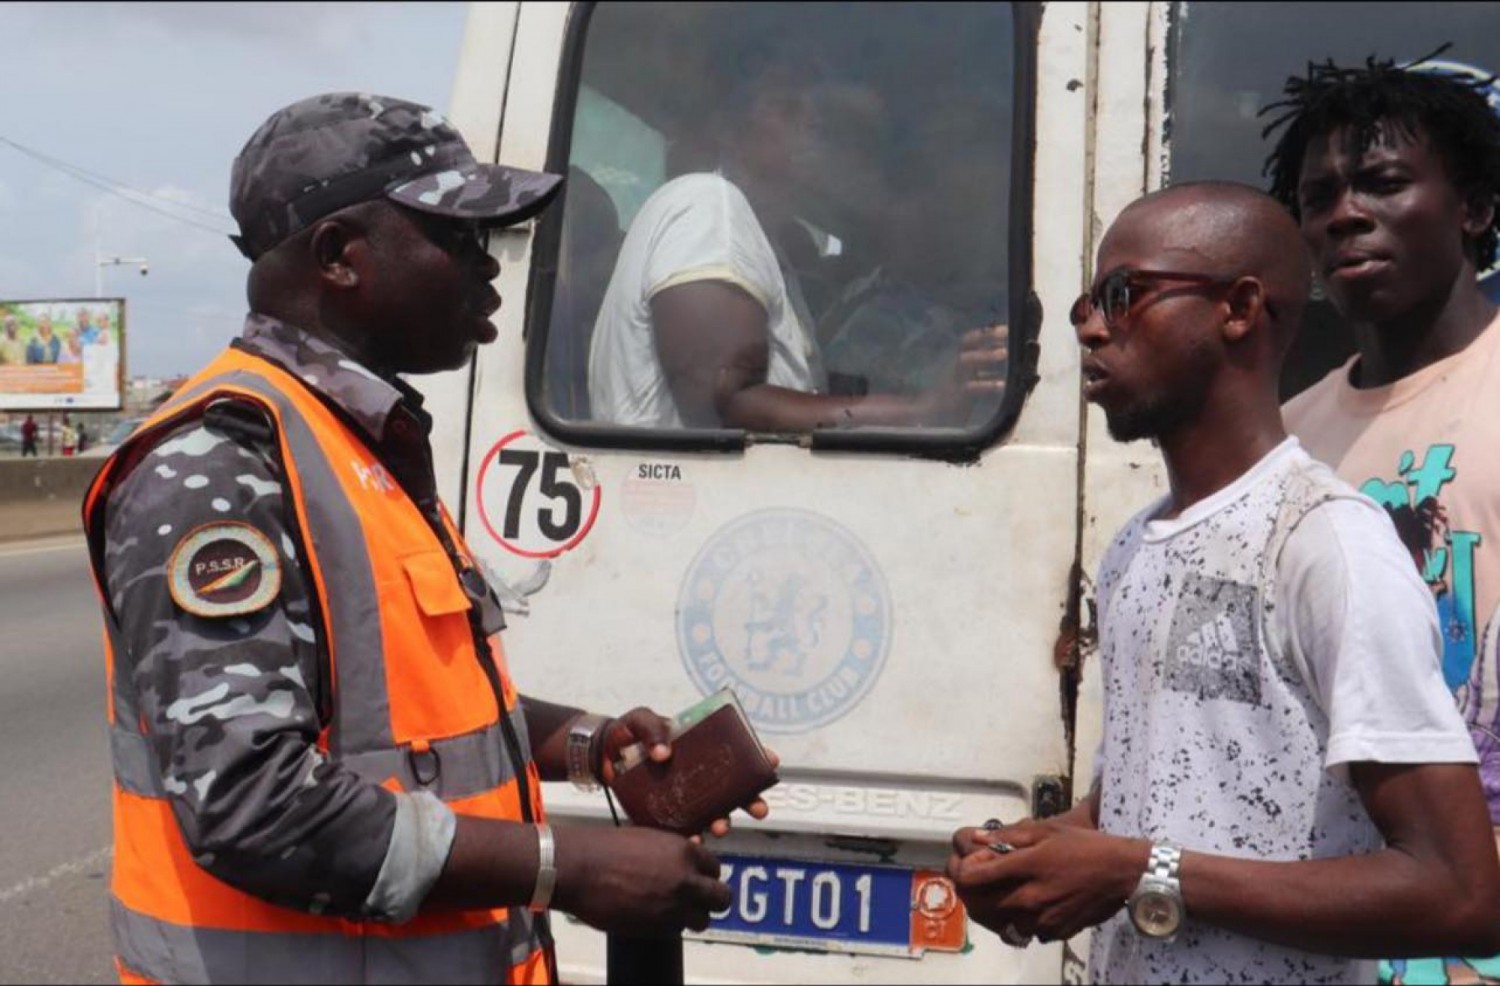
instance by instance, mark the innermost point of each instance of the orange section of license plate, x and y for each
(938, 920)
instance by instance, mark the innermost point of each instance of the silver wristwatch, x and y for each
(1156, 907)
(581, 734)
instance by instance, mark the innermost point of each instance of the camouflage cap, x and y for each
(328, 152)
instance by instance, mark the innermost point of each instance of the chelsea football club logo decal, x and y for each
(787, 608)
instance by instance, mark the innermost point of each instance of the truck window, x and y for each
(832, 183)
(1230, 59)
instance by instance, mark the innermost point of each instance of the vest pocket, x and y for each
(434, 583)
(434, 674)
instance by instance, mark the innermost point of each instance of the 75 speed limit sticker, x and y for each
(530, 501)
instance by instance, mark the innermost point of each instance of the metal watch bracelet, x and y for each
(1164, 862)
(583, 732)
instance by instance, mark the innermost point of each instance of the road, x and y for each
(54, 769)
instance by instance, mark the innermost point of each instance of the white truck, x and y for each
(903, 612)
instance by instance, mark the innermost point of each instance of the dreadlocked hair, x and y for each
(1451, 110)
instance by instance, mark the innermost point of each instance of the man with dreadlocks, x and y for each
(1393, 173)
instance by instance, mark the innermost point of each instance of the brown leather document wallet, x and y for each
(717, 765)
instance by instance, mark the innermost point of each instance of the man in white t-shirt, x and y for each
(704, 323)
(1285, 788)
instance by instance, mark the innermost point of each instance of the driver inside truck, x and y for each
(897, 325)
(706, 323)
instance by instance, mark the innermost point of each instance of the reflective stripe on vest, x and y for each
(465, 766)
(174, 953)
(413, 709)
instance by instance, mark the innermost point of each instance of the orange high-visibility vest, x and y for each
(413, 696)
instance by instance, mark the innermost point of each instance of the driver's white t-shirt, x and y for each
(698, 227)
(1236, 693)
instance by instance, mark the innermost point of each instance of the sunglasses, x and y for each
(1119, 292)
(454, 236)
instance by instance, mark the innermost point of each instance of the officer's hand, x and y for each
(653, 732)
(637, 881)
(756, 809)
(639, 725)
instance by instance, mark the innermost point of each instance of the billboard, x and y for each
(62, 354)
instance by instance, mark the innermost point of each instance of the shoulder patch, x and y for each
(224, 570)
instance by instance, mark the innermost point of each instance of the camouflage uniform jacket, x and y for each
(233, 707)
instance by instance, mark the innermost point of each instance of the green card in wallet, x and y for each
(717, 765)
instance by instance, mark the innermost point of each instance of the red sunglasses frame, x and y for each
(1090, 300)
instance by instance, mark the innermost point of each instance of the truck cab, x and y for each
(904, 611)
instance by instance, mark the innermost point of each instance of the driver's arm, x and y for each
(713, 341)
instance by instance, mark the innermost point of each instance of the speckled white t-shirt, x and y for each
(1238, 689)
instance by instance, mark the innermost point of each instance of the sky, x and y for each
(160, 97)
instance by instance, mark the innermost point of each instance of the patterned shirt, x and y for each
(1423, 448)
(233, 707)
(1251, 648)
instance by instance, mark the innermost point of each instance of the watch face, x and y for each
(1156, 914)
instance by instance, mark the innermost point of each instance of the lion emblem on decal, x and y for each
(789, 609)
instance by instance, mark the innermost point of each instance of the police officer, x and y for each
(322, 769)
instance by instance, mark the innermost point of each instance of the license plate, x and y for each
(838, 907)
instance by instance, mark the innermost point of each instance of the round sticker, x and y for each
(657, 499)
(789, 609)
(224, 570)
(532, 500)
(935, 898)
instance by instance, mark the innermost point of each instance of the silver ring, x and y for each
(1003, 848)
(1012, 936)
(993, 823)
